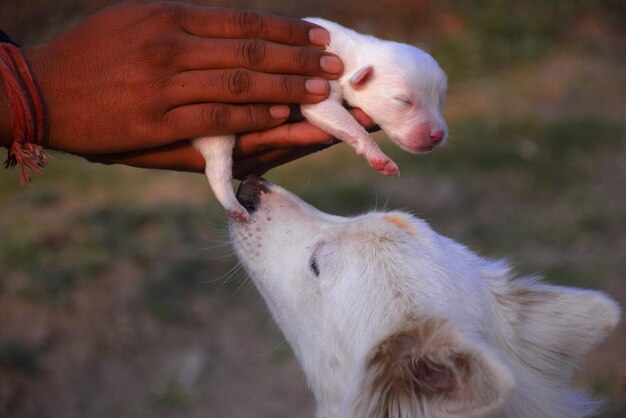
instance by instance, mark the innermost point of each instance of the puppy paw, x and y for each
(385, 166)
(238, 214)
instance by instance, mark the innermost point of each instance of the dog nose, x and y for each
(249, 192)
(436, 135)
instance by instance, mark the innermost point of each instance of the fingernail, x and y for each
(279, 111)
(319, 36)
(331, 64)
(316, 86)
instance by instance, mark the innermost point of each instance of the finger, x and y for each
(261, 163)
(244, 86)
(290, 135)
(363, 119)
(179, 156)
(211, 119)
(284, 136)
(269, 57)
(247, 24)
(183, 157)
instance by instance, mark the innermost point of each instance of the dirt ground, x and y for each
(119, 294)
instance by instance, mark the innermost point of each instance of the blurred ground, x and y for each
(118, 293)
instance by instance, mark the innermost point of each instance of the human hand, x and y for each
(140, 76)
(254, 152)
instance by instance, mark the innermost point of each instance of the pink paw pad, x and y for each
(385, 166)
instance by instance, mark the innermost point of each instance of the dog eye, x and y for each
(404, 100)
(314, 266)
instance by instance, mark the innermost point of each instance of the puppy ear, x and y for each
(431, 370)
(360, 78)
(555, 326)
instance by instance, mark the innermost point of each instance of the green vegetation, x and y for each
(170, 396)
(495, 35)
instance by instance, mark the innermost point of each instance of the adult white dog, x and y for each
(390, 319)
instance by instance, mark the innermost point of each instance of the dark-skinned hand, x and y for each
(133, 82)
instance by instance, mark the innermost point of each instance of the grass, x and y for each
(551, 150)
(165, 243)
(170, 396)
(498, 34)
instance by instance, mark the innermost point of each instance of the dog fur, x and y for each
(390, 319)
(399, 86)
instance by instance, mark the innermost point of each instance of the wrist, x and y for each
(38, 59)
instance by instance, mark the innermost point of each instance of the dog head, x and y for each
(388, 318)
(403, 91)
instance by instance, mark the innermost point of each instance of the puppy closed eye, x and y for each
(403, 100)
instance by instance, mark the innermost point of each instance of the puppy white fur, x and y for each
(399, 86)
(390, 319)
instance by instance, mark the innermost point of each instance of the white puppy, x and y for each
(390, 319)
(399, 86)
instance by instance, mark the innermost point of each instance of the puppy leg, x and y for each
(218, 155)
(333, 118)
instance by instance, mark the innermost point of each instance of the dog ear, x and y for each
(360, 78)
(431, 370)
(555, 326)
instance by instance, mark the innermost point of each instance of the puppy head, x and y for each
(403, 91)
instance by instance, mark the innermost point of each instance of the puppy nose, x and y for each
(249, 192)
(436, 135)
